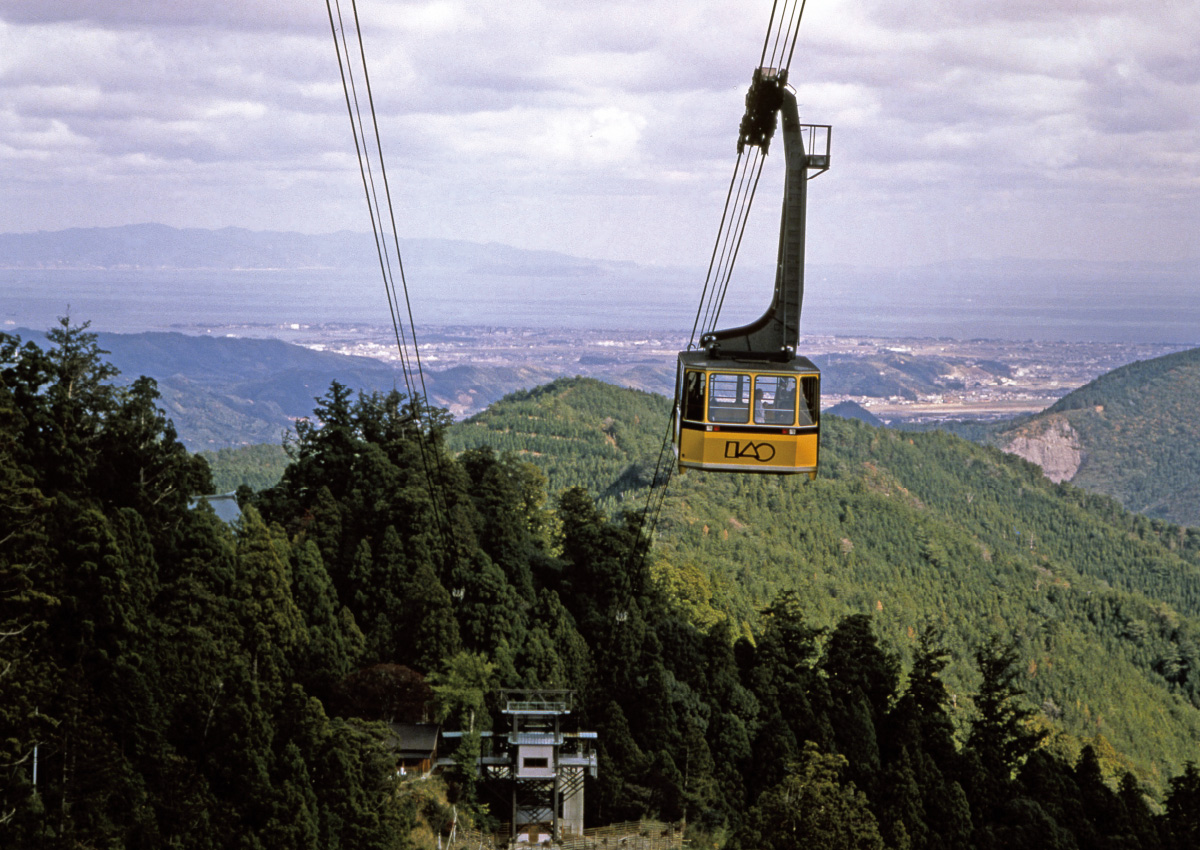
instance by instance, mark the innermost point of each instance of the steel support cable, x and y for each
(712, 258)
(724, 239)
(348, 87)
(737, 247)
(788, 29)
(785, 33)
(421, 398)
(796, 34)
(735, 236)
(391, 211)
(727, 243)
(653, 490)
(373, 208)
(722, 260)
(724, 274)
(778, 32)
(368, 176)
(781, 36)
(762, 60)
(399, 259)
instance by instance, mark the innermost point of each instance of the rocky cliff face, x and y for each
(1052, 443)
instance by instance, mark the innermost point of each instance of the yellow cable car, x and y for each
(745, 401)
(748, 415)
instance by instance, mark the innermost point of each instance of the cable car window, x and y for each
(693, 396)
(729, 398)
(774, 400)
(811, 386)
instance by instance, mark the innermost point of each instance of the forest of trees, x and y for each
(174, 682)
(1104, 604)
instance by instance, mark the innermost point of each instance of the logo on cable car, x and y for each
(762, 452)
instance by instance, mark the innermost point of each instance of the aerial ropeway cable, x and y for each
(382, 214)
(782, 32)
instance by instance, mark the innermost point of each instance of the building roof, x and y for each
(415, 740)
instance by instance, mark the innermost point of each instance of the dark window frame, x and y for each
(736, 412)
(694, 394)
(772, 413)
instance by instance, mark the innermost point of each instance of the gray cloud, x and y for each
(255, 15)
(961, 129)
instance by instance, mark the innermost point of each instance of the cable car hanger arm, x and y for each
(775, 334)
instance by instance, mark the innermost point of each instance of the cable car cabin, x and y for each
(747, 415)
(745, 401)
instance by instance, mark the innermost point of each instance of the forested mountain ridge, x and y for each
(229, 391)
(1132, 433)
(912, 527)
(190, 685)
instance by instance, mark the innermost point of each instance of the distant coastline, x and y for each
(153, 277)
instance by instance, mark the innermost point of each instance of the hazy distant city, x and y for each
(983, 379)
(492, 318)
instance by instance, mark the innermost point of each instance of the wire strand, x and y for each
(712, 258)
(400, 261)
(420, 400)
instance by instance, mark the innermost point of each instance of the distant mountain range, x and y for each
(154, 277)
(225, 391)
(159, 247)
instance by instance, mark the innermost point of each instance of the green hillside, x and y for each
(915, 528)
(258, 466)
(1133, 434)
(579, 431)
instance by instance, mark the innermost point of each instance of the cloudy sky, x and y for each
(1063, 129)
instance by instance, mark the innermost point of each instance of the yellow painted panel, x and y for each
(748, 452)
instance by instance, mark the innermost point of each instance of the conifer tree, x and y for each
(460, 692)
(812, 807)
(1142, 827)
(1182, 816)
(1001, 735)
(335, 643)
(272, 624)
(431, 633)
(27, 672)
(920, 719)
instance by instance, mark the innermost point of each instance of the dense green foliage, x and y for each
(258, 467)
(181, 681)
(1141, 435)
(920, 527)
(579, 431)
(153, 661)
